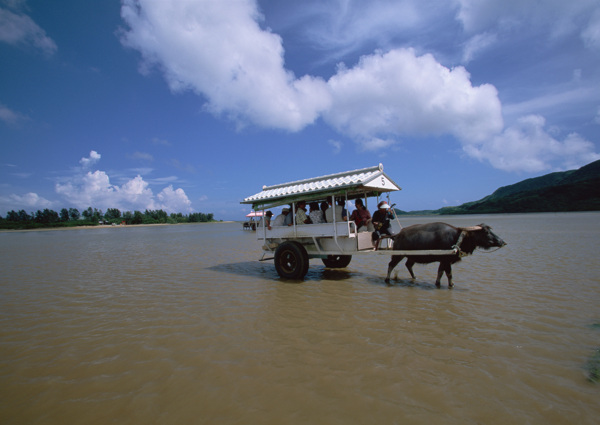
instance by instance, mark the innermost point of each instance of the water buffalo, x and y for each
(441, 236)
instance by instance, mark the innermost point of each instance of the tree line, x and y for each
(93, 216)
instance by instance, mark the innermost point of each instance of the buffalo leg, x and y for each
(395, 260)
(439, 274)
(409, 265)
(449, 275)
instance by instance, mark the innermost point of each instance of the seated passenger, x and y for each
(324, 208)
(361, 216)
(289, 218)
(381, 222)
(301, 217)
(316, 215)
(279, 220)
(266, 219)
(338, 210)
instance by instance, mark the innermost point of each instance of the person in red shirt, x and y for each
(361, 216)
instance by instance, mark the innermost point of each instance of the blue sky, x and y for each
(193, 105)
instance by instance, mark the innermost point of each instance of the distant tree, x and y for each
(112, 214)
(24, 217)
(64, 214)
(12, 216)
(138, 218)
(128, 217)
(74, 214)
(47, 216)
(97, 215)
(88, 214)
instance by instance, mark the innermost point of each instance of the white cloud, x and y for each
(344, 25)
(476, 44)
(527, 146)
(11, 117)
(143, 156)
(242, 74)
(400, 93)
(174, 200)
(18, 29)
(95, 189)
(27, 202)
(336, 145)
(591, 33)
(218, 50)
(91, 160)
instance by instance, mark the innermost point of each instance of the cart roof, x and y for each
(356, 184)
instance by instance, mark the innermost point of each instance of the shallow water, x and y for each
(182, 324)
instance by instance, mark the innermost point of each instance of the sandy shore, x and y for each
(102, 226)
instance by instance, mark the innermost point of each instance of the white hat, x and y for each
(384, 205)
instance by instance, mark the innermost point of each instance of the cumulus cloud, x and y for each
(90, 160)
(219, 51)
(19, 29)
(174, 200)
(95, 189)
(400, 93)
(527, 146)
(242, 73)
(27, 201)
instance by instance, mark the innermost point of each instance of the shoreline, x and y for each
(104, 226)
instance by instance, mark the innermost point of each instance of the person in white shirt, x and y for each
(278, 221)
(338, 210)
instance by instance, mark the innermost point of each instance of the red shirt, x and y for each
(360, 217)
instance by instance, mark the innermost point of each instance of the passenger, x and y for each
(342, 203)
(381, 222)
(301, 217)
(279, 220)
(289, 218)
(324, 208)
(316, 215)
(266, 219)
(338, 210)
(361, 216)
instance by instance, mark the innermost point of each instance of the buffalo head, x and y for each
(481, 236)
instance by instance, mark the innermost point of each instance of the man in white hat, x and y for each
(381, 222)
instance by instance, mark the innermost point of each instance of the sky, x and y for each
(193, 105)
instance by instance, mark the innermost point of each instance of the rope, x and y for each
(489, 252)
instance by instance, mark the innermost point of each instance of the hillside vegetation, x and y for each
(575, 190)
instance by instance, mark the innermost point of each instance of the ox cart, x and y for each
(292, 246)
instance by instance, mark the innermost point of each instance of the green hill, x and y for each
(575, 190)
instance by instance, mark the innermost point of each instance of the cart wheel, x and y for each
(337, 261)
(291, 260)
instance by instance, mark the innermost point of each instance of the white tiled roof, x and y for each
(365, 178)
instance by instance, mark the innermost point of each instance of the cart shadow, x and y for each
(247, 269)
(267, 271)
(260, 270)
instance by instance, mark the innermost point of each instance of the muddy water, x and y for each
(181, 324)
